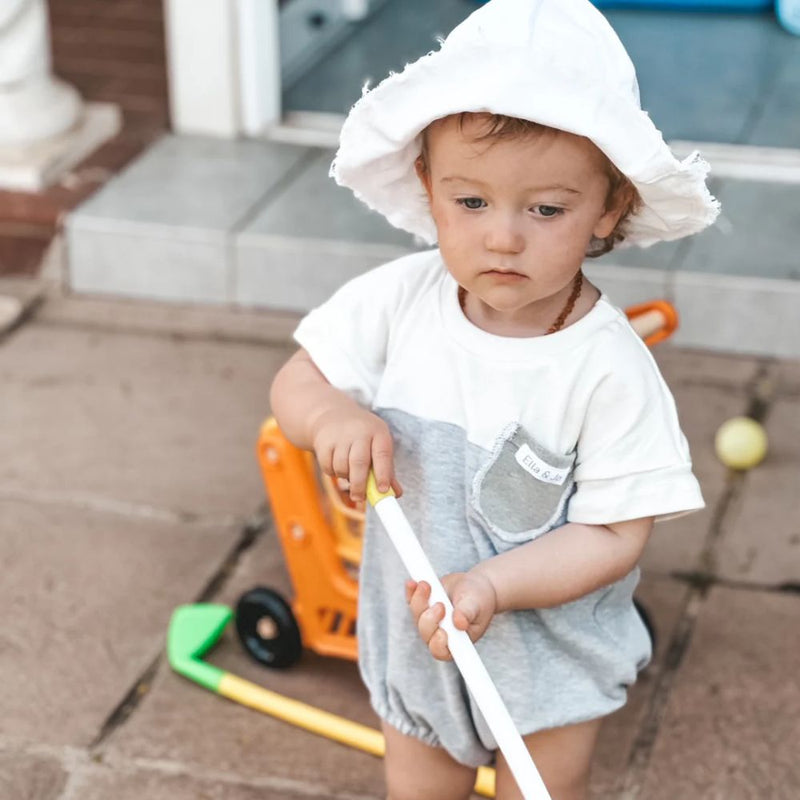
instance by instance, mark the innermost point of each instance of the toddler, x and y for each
(532, 433)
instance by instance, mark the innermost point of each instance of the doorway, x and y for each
(331, 48)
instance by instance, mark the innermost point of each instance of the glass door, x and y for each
(331, 48)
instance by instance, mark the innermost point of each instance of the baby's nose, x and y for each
(504, 235)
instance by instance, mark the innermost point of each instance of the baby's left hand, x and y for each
(474, 601)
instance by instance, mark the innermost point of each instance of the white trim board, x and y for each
(741, 161)
(745, 162)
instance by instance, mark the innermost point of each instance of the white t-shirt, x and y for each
(396, 338)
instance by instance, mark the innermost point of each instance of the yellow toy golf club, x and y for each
(195, 629)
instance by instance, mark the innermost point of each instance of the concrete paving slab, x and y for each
(154, 425)
(176, 320)
(708, 389)
(30, 777)
(663, 599)
(682, 366)
(239, 741)
(761, 542)
(86, 598)
(259, 748)
(788, 378)
(731, 726)
(137, 782)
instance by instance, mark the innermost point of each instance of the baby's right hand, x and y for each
(348, 441)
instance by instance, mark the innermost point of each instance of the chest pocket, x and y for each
(523, 488)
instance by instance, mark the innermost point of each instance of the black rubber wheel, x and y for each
(268, 629)
(648, 622)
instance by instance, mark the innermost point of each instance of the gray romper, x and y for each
(499, 441)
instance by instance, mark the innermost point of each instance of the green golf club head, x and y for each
(193, 631)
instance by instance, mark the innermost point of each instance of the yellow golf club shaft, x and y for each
(315, 720)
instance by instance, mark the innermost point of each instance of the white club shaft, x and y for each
(469, 663)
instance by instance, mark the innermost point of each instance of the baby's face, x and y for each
(515, 217)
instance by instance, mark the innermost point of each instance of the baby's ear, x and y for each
(618, 205)
(606, 224)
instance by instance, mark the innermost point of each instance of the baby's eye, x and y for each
(548, 211)
(472, 203)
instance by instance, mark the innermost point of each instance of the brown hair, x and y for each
(620, 190)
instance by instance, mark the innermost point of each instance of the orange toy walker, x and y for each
(320, 532)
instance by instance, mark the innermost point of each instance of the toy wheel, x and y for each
(648, 622)
(267, 628)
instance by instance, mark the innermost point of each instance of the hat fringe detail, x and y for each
(555, 62)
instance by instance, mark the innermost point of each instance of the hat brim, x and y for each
(380, 139)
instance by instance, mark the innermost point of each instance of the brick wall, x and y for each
(114, 50)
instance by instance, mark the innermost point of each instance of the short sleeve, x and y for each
(347, 336)
(633, 460)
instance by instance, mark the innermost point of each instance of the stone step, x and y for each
(261, 225)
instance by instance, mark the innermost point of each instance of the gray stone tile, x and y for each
(730, 729)
(659, 257)
(662, 599)
(197, 187)
(86, 598)
(627, 285)
(738, 314)
(758, 236)
(161, 229)
(761, 542)
(244, 742)
(315, 207)
(30, 777)
(152, 425)
(297, 275)
(149, 264)
(295, 252)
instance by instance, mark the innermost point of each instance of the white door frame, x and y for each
(225, 65)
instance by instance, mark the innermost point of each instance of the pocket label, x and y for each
(540, 469)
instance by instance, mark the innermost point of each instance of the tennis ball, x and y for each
(741, 443)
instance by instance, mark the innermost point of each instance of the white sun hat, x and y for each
(555, 62)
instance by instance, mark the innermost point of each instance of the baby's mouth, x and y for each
(505, 273)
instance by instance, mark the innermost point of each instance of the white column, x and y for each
(224, 66)
(45, 128)
(33, 104)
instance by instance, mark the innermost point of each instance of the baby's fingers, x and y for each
(431, 633)
(383, 461)
(419, 598)
(358, 469)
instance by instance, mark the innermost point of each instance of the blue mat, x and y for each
(698, 5)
